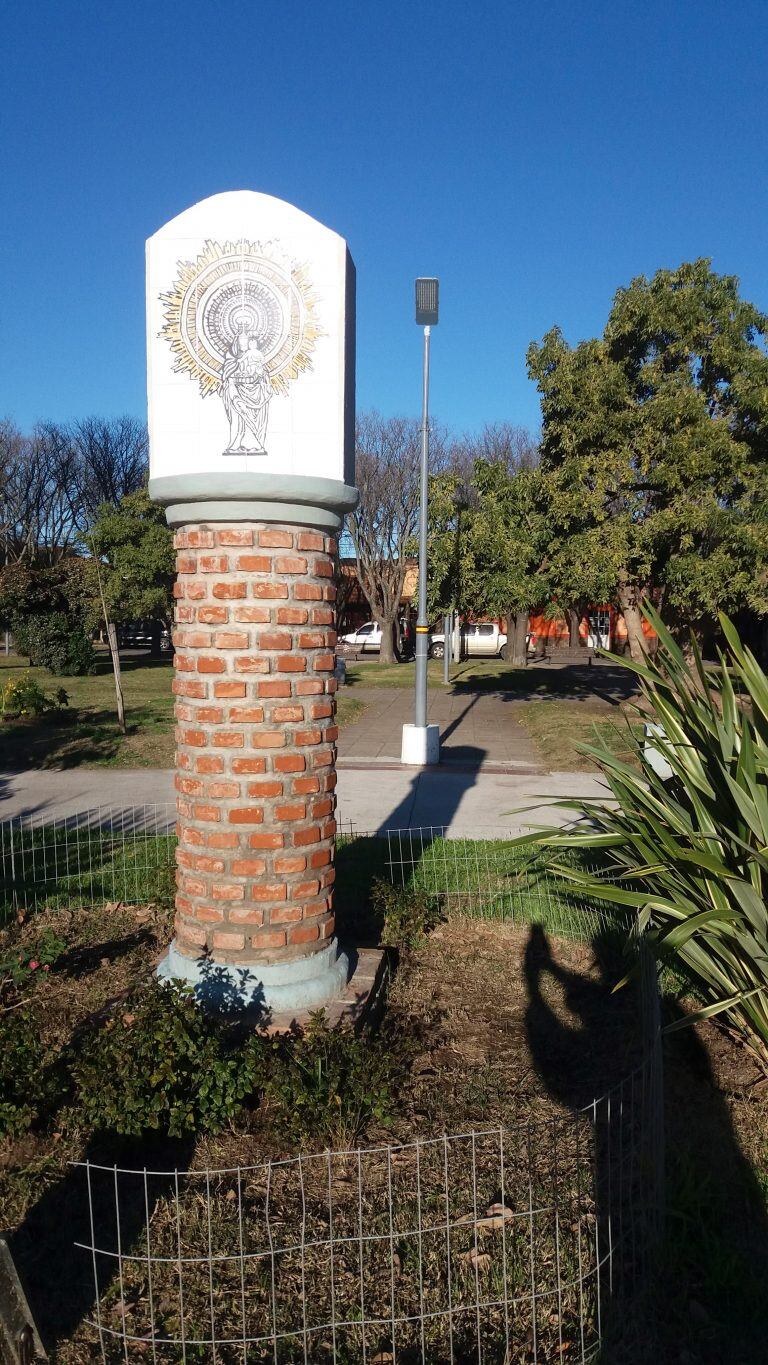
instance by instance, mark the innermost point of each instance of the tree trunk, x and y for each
(630, 596)
(387, 652)
(115, 653)
(574, 621)
(517, 631)
(156, 630)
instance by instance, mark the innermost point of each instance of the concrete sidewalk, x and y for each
(475, 727)
(373, 797)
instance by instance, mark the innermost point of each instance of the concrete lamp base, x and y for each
(297, 986)
(421, 745)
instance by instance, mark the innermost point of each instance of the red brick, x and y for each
(328, 829)
(295, 810)
(322, 758)
(331, 546)
(194, 886)
(307, 737)
(301, 837)
(205, 812)
(214, 563)
(222, 840)
(292, 616)
(254, 564)
(305, 786)
(183, 663)
(301, 933)
(312, 640)
(208, 663)
(290, 763)
(246, 914)
(200, 540)
(227, 891)
(290, 663)
(286, 914)
(186, 564)
(320, 858)
(246, 715)
(230, 592)
(249, 765)
(180, 539)
(191, 836)
(188, 786)
(321, 710)
(274, 688)
(223, 791)
(308, 687)
(209, 764)
(229, 689)
(209, 715)
(269, 788)
(307, 592)
(322, 616)
(248, 867)
(235, 942)
(196, 591)
(290, 564)
(204, 864)
(196, 738)
(304, 889)
(188, 687)
(246, 815)
(269, 839)
(329, 593)
(251, 663)
(274, 639)
(184, 614)
(235, 535)
(309, 540)
(320, 808)
(253, 615)
(276, 540)
(268, 739)
(268, 939)
(293, 863)
(322, 662)
(269, 590)
(231, 639)
(268, 891)
(331, 733)
(213, 616)
(323, 568)
(228, 739)
(287, 713)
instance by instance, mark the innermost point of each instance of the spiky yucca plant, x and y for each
(690, 851)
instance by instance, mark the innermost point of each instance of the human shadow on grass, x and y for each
(704, 1297)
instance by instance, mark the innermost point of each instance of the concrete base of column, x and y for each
(306, 983)
(421, 745)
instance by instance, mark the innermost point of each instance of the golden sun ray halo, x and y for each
(241, 284)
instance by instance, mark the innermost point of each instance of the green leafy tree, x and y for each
(135, 547)
(654, 443)
(488, 546)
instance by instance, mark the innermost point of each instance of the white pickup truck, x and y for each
(366, 638)
(480, 639)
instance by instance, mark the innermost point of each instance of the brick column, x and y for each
(256, 751)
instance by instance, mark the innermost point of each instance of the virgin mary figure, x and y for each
(245, 392)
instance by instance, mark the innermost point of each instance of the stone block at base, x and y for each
(297, 986)
(421, 745)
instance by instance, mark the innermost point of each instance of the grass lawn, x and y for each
(560, 727)
(86, 733)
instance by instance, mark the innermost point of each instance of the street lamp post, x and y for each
(421, 742)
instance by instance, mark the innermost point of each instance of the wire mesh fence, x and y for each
(493, 1245)
(106, 854)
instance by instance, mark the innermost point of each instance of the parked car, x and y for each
(138, 635)
(366, 638)
(480, 639)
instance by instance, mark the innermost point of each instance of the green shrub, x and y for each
(22, 695)
(55, 641)
(327, 1084)
(161, 1063)
(689, 852)
(23, 1075)
(407, 915)
(20, 965)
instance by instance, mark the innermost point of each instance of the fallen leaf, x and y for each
(129, 1019)
(382, 1358)
(480, 1259)
(113, 905)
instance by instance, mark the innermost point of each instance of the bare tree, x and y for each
(383, 527)
(35, 496)
(110, 460)
(499, 443)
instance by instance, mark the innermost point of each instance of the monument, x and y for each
(250, 339)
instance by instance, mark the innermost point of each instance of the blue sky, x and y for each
(532, 155)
